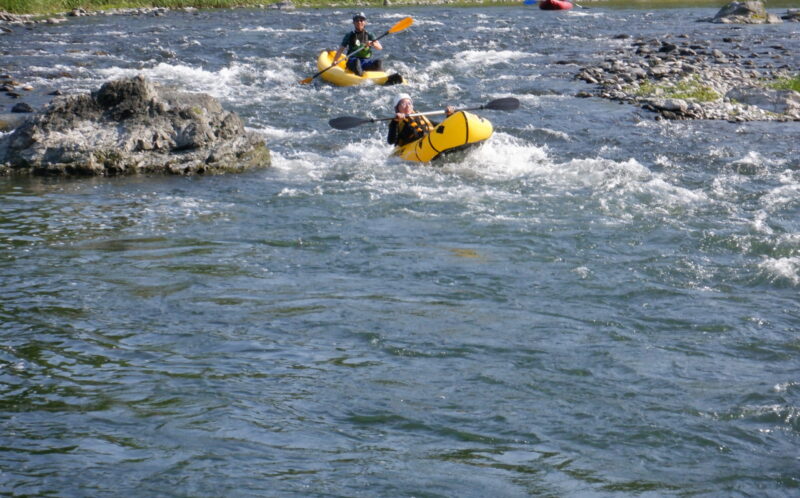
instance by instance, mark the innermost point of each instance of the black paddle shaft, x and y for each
(347, 122)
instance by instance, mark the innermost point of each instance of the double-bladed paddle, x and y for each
(400, 26)
(347, 122)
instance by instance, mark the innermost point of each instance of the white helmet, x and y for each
(402, 96)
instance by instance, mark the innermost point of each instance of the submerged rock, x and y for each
(747, 12)
(9, 121)
(792, 15)
(130, 126)
(22, 107)
(776, 101)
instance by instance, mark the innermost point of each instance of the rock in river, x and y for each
(747, 12)
(132, 126)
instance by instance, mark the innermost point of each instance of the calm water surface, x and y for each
(592, 303)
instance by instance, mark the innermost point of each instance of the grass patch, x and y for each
(47, 7)
(786, 84)
(57, 6)
(686, 89)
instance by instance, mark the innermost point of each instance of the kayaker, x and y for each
(404, 129)
(362, 60)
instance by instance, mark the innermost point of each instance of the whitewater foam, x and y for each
(782, 269)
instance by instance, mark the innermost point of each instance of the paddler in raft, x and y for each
(404, 129)
(362, 60)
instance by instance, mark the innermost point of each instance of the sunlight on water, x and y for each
(276, 31)
(784, 196)
(465, 61)
(787, 269)
(588, 288)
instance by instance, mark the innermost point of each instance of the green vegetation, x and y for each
(691, 88)
(646, 89)
(54, 6)
(42, 7)
(786, 84)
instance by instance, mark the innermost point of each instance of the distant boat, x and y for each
(555, 5)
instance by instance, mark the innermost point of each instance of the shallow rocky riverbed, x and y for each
(681, 77)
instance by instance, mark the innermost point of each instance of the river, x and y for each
(592, 303)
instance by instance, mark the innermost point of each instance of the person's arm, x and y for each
(338, 54)
(448, 111)
(376, 44)
(342, 47)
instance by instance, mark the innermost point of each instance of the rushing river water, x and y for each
(591, 303)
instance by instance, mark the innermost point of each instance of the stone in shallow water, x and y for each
(131, 126)
(748, 12)
(777, 101)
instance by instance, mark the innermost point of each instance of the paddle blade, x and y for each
(307, 80)
(504, 104)
(394, 79)
(347, 122)
(401, 25)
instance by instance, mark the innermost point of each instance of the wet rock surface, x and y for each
(747, 12)
(131, 126)
(684, 78)
(791, 15)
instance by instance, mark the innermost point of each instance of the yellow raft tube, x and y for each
(460, 130)
(341, 76)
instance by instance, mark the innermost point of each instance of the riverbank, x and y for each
(39, 8)
(742, 79)
(47, 8)
(690, 79)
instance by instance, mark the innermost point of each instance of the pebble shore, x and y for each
(727, 83)
(685, 78)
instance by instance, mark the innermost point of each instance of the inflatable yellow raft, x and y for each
(459, 131)
(340, 76)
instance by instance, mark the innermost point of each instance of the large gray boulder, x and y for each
(130, 126)
(747, 12)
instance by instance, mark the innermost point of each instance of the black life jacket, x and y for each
(363, 39)
(413, 128)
